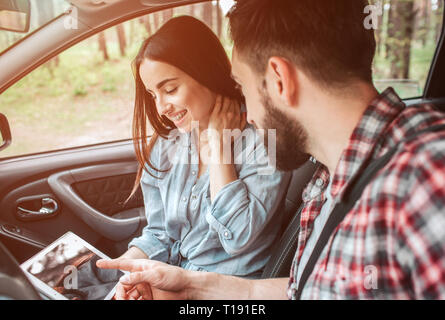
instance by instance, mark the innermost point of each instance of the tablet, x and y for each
(66, 270)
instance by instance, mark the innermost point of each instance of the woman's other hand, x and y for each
(225, 125)
(139, 291)
(227, 115)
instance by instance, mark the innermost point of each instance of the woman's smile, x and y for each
(178, 117)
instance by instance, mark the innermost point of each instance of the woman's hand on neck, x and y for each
(226, 117)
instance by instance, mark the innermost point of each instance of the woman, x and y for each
(202, 215)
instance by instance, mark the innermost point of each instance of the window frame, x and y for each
(435, 78)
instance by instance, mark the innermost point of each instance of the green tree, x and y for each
(167, 14)
(219, 19)
(401, 19)
(120, 29)
(103, 45)
(207, 14)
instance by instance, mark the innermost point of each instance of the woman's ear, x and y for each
(282, 79)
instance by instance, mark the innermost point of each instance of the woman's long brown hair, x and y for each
(188, 44)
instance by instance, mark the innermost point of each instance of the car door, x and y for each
(69, 174)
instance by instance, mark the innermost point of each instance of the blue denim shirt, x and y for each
(233, 233)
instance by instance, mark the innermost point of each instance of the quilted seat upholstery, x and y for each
(107, 195)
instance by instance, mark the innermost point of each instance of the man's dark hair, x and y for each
(324, 38)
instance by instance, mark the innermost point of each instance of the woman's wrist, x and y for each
(221, 151)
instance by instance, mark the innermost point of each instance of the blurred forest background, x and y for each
(85, 95)
(407, 36)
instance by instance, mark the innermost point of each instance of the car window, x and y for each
(85, 95)
(407, 33)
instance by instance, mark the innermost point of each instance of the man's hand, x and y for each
(139, 291)
(168, 282)
(148, 279)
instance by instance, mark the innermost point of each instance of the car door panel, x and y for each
(88, 184)
(108, 191)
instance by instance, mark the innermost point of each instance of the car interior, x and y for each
(81, 189)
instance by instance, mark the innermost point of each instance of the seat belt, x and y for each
(352, 193)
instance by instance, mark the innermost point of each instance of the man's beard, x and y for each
(291, 137)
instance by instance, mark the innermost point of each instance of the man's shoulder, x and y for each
(427, 143)
(418, 163)
(418, 133)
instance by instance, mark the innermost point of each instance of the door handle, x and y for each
(49, 208)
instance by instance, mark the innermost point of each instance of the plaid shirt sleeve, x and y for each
(420, 223)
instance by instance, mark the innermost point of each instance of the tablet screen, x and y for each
(69, 267)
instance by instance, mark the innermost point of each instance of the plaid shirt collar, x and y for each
(363, 143)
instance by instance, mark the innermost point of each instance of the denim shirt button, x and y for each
(227, 234)
(184, 199)
(319, 182)
(193, 173)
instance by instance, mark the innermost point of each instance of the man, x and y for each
(305, 70)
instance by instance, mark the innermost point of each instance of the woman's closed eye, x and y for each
(167, 91)
(171, 90)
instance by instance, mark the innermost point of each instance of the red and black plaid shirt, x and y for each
(391, 245)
